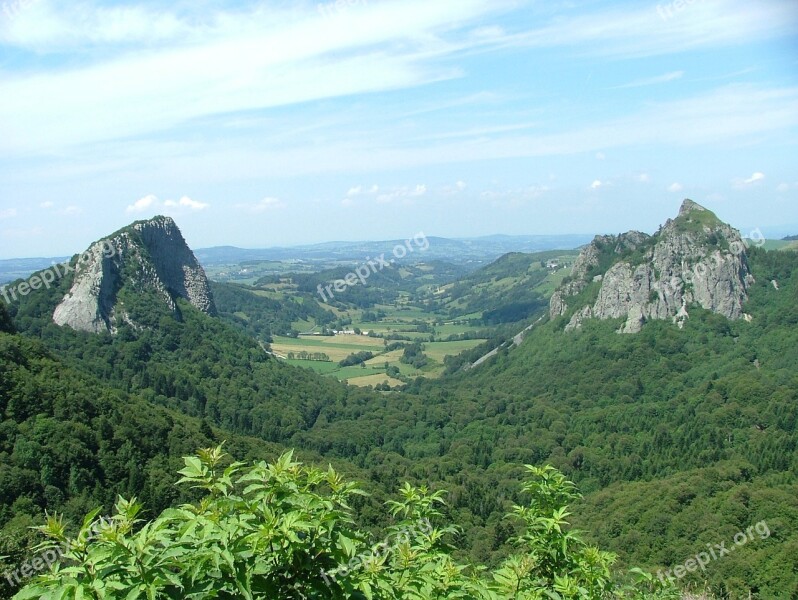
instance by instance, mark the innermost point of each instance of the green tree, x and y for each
(283, 530)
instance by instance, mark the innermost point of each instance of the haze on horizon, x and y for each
(261, 124)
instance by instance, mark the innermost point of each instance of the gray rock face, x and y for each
(147, 255)
(693, 260)
(589, 259)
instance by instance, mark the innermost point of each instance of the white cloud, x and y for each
(47, 204)
(601, 156)
(453, 190)
(8, 213)
(786, 187)
(740, 183)
(151, 204)
(361, 190)
(403, 193)
(730, 114)
(143, 204)
(40, 25)
(246, 60)
(186, 202)
(675, 187)
(262, 206)
(643, 178)
(630, 32)
(652, 80)
(267, 57)
(347, 202)
(70, 210)
(596, 184)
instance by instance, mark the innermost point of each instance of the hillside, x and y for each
(70, 443)
(510, 289)
(608, 409)
(681, 423)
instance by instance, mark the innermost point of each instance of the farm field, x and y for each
(374, 380)
(339, 347)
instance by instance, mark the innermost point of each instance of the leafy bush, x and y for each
(283, 530)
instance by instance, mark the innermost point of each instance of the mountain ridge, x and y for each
(694, 259)
(146, 254)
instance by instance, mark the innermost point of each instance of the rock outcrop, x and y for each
(146, 256)
(694, 259)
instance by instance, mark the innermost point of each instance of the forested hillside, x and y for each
(190, 362)
(608, 408)
(662, 429)
(70, 443)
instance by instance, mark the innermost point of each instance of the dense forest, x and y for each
(678, 437)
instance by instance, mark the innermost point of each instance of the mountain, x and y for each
(694, 259)
(148, 256)
(635, 420)
(679, 437)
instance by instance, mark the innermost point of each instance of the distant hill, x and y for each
(461, 250)
(510, 289)
(16, 268)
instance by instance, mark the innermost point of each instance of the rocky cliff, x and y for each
(694, 259)
(146, 256)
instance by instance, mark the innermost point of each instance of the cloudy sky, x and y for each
(274, 123)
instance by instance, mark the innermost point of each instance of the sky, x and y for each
(260, 124)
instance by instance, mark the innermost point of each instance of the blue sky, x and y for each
(274, 123)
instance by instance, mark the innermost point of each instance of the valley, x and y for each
(398, 300)
(678, 432)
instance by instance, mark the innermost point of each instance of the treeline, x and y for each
(262, 317)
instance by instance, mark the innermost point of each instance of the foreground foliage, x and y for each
(283, 530)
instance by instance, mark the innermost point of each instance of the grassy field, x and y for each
(552, 281)
(374, 380)
(388, 357)
(337, 348)
(341, 346)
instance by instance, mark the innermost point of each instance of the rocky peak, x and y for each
(689, 206)
(145, 256)
(694, 259)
